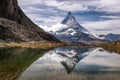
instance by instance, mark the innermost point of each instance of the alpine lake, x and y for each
(60, 63)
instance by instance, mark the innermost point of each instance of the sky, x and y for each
(98, 16)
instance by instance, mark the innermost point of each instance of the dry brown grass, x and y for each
(113, 47)
(33, 44)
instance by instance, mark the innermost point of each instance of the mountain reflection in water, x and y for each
(74, 63)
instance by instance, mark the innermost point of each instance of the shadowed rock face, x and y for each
(12, 16)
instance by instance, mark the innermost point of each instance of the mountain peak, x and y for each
(69, 13)
(72, 32)
(69, 19)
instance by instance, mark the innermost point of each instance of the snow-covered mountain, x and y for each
(113, 37)
(69, 30)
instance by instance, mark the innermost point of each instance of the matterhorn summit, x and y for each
(69, 30)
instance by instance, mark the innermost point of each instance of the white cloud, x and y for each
(110, 6)
(53, 28)
(52, 20)
(46, 28)
(110, 17)
(62, 5)
(54, 9)
(94, 26)
(77, 5)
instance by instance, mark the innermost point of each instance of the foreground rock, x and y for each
(15, 26)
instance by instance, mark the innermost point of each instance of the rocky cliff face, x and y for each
(16, 26)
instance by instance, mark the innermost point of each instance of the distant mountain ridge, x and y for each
(111, 37)
(15, 26)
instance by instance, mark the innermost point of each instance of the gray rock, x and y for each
(16, 26)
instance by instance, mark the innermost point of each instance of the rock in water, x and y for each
(15, 26)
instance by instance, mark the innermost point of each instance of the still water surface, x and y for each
(62, 63)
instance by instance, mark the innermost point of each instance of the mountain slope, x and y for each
(71, 31)
(12, 17)
(111, 37)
